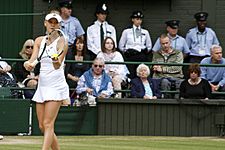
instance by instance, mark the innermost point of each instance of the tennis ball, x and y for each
(1, 137)
(55, 55)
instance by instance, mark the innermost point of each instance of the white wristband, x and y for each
(34, 63)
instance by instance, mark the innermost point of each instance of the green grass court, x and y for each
(116, 143)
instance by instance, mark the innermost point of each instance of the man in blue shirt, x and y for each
(177, 42)
(70, 25)
(215, 75)
(200, 39)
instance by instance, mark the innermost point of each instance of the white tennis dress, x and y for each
(51, 83)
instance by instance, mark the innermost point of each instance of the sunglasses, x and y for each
(29, 47)
(100, 66)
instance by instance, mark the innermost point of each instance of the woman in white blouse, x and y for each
(117, 72)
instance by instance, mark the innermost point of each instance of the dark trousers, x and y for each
(133, 55)
(221, 89)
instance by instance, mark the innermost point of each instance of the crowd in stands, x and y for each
(200, 47)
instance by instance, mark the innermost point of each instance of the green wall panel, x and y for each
(165, 117)
(15, 26)
(71, 121)
(14, 116)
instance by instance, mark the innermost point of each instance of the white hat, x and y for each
(53, 15)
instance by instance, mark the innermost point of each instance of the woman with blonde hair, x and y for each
(27, 49)
(26, 78)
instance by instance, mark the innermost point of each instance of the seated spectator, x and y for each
(143, 86)
(5, 74)
(195, 87)
(7, 79)
(214, 75)
(26, 78)
(171, 75)
(73, 71)
(95, 81)
(117, 72)
(5, 68)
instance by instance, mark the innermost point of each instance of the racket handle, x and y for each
(34, 63)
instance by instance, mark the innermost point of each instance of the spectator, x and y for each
(73, 71)
(195, 87)
(70, 25)
(171, 75)
(97, 32)
(200, 39)
(214, 75)
(177, 41)
(95, 81)
(26, 78)
(7, 79)
(143, 86)
(5, 68)
(135, 42)
(5, 74)
(117, 72)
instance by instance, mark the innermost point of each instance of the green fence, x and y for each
(72, 121)
(165, 117)
(14, 116)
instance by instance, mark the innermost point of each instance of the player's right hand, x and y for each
(28, 66)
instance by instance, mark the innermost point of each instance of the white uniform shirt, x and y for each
(129, 40)
(93, 35)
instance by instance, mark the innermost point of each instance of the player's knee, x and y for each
(41, 127)
(47, 125)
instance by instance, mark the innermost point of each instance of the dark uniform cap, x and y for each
(137, 14)
(201, 16)
(102, 8)
(65, 3)
(173, 23)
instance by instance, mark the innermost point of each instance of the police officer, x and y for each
(177, 41)
(135, 42)
(70, 25)
(97, 32)
(200, 39)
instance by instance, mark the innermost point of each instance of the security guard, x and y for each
(70, 25)
(135, 42)
(177, 41)
(97, 32)
(200, 39)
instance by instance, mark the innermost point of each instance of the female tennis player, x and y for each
(50, 51)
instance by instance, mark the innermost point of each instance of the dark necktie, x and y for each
(138, 32)
(101, 33)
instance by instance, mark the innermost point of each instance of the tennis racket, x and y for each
(58, 35)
